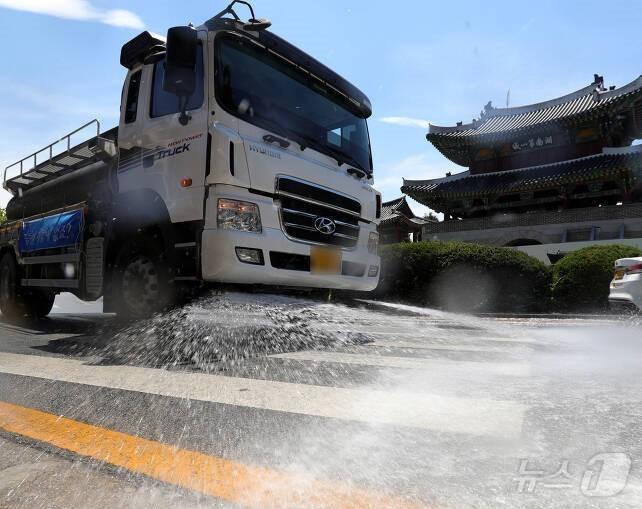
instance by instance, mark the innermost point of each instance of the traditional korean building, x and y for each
(559, 171)
(398, 222)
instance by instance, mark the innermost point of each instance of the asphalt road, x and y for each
(269, 401)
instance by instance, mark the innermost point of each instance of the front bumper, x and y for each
(220, 263)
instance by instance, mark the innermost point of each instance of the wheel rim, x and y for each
(141, 285)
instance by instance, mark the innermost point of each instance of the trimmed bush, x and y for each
(464, 277)
(581, 279)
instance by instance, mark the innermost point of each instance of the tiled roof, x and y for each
(610, 162)
(389, 208)
(500, 120)
(398, 209)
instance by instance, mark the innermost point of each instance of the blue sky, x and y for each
(418, 61)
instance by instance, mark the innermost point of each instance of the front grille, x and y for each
(320, 194)
(302, 204)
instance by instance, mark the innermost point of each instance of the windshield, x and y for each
(267, 91)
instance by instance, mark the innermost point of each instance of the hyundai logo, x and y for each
(325, 225)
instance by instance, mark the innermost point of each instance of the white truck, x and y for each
(238, 159)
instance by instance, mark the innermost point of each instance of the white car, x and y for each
(626, 287)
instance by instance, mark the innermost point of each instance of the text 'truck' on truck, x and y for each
(238, 159)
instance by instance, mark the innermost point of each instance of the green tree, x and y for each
(3, 216)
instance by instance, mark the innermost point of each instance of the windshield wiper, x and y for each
(302, 140)
(284, 131)
(342, 158)
(305, 141)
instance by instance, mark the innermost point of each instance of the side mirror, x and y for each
(180, 66)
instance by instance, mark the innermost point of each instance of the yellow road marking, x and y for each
(232, 481)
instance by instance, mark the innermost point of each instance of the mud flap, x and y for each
(95, 257)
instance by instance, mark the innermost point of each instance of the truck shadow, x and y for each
(74, 335)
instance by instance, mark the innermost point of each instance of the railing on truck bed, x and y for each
(60, 159)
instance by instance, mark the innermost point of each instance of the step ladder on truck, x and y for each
(238, 159)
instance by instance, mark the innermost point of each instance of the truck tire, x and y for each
(39, 303)
(12, 303)
(142, 284)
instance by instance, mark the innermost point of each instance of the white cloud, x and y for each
(122, 18)
(80, 10)
(405, 121)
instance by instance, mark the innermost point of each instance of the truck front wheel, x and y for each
(144, 281)
(12, 302)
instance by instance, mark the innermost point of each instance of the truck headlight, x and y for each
(373, 242)
(238, 215)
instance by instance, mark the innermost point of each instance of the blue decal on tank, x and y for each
(60, 230)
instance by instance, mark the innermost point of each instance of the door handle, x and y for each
(269, 138)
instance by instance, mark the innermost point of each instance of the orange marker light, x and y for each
(186, 182)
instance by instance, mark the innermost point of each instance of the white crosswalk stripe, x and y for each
(448, 367)
(428, 333)
(424, 345)
(475, 416)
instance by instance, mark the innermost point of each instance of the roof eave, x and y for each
(436, 132)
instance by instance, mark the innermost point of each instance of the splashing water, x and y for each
(469, 398)
(224, 330)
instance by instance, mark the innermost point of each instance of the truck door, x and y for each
(172, 157)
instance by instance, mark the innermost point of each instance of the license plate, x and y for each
(619, 274)
(325, 260)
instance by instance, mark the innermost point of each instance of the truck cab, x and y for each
(273, 159)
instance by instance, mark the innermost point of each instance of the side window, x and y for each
(163, 103)
(131, 105)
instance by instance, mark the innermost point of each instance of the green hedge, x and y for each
(581, 279)
(463, 277)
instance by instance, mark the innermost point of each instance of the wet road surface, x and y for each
(269, 401)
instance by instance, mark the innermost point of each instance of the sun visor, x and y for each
(135, 51)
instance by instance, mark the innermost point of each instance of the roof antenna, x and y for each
(508, 98)
(254, 24)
